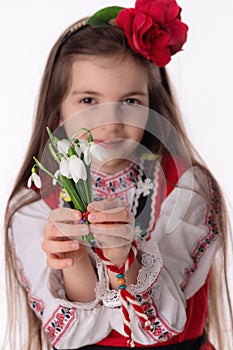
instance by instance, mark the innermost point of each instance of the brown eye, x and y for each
(131, 101)
(88, 100)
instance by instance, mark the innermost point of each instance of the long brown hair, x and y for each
(107, 41)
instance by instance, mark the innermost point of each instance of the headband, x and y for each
(153, 28)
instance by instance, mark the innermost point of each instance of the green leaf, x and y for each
(103, 16)
(69, 186)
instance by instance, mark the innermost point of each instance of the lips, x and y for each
(109, 143)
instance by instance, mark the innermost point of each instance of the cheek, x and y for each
(135, 133)
(73, 118)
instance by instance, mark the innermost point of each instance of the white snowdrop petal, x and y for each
(87, 155)
(77, 150)
(63, 147)
(29, 183)
(77, 169)
(83, 145)
(98, 151)
(37, 180)
(64, 168)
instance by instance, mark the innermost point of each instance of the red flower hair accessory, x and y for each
(153, 28)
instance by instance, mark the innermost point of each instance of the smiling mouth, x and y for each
(110, 143)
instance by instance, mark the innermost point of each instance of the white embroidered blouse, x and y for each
(176, 260)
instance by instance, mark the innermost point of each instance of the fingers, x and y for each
(61, 235)
(117, 230)
(62, 254)
(55, 230)
(103, 241)
(106, 204)
(112, 223)
(54, 262)
(55, 247)
(73, 231)
(119, 214)
(112, 235)
(65, 215)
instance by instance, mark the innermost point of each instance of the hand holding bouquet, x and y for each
(73, 157)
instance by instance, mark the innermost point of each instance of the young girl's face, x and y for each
(118, 126)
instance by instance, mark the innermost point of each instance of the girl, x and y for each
(118, 56)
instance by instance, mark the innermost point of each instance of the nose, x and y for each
(111, 117)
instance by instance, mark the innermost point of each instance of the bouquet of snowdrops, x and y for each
(73, 157)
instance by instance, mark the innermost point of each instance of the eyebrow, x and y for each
(96, 93)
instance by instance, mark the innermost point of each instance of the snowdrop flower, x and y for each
(55, 177)
(74, 168)
(87, 155)
(64, 168)
(95, 150)
(145, 187)
(83, 145)
(63, 147)
(98, 151)
(77, 169)
(34, 178)
(78, 150)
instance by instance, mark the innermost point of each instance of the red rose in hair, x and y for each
(154, 29)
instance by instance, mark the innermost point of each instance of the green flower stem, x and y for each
(89, 238)
(67, 184)
(53, 139)
(72, 137)
(90, 138)
(54, 154)
(78, 187)
(89, 181)
(87, 191)
(44, 169)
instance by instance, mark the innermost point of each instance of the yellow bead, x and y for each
(121, 281)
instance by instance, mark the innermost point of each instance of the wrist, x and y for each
(117, 256)
(130, 276)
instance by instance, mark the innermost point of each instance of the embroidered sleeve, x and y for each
(187, 237)
(67, 324)
(56, 285)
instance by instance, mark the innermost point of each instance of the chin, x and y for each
(111, 166)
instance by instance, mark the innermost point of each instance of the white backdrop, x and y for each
(202, 76)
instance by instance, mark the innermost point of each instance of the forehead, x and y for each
(101, 72)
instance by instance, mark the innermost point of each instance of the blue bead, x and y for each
(122, 287)
(120, 275)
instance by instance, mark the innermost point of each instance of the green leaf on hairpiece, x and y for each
(102, 17)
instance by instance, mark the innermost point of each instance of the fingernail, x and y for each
(92, 217)
(74, 245)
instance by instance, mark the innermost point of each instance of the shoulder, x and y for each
(191, 197)
(180, 173)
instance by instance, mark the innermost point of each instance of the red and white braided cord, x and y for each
(125, 296)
